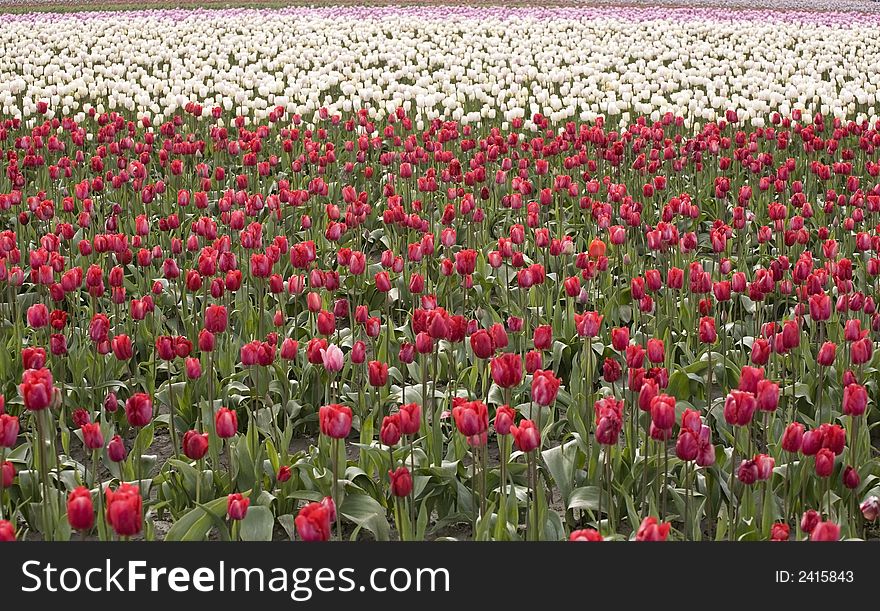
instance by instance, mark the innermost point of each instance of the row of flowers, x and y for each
(473, 65)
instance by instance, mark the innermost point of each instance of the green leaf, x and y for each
(560, 460)
(366, 512)
(195, 525)
(257, 524)
(586, 497)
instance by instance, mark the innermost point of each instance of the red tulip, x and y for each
(543, 337)
(410, 418)
(7, 531)
(611, 370)
(401, 482)
(80, 510)
(216, 319)
(226, 423)
(545, 386)
(139, 410)
(708, 335)
(793, 436)
(851, 478)
(586, 534)
(855, 400)
(663, 411)
(38, 316)
(824, 462)
(686, 447)
(92, 437)
(124, 509)
(809, 520)
(820, 307)
(779, 532)
(9, 428)
(655, 350)
(116, 449)
(526, 436)
(767, 396)
(749, 378)
(861, 351)
(390, 432)
(335, 420)
(826, 354)
(314, 520)
(651, 529)
(504, 419)
(482, 344)
(588, 324)
(284, 474)
(506, 370)
(99, 328)
(825, 531)
(122, 348)
(620, 338)
(36, 389)
(358, 352)
(237, 506)
(471, 418)
(377, 373)
(765, 464)
(760, 351)
(609, 420)
(739, 407)
(7, 474)
(195, 445)
(326, 323)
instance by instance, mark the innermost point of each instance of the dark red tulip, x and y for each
(851, 478)
(377, 373)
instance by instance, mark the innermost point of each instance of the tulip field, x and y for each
(432, 272)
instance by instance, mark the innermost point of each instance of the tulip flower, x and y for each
(779, 532)
(313, 521)
(7, 531)
(870, 508)
(586, 534)
(651, 529)
(80, 511)
(507, 370)
(124, 510)
(237, 506)
(825, 531)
